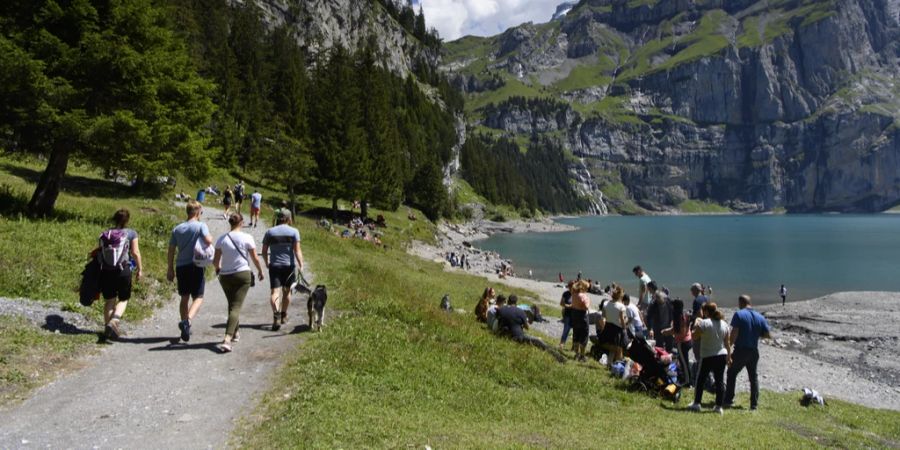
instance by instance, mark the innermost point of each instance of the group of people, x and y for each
(460, 260)
(506, 316)
(191, 250)
(702, 331)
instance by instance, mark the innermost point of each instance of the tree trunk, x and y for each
(364, 209)
(47, 190)
(334, 210)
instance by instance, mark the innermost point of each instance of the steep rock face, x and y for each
(756, 105)
(323, 24)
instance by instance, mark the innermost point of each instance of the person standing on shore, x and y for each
(659, 317)
(255, 205)
(282, 256)
(700, 299)
(681, 330)
(634, 317)
(747, 326)
(565, 302)
(234, 251)
(643, 291)
(191, 277)
(715, 349)
(581, 303)
(612, 323)
(117, 251)
(783, 293)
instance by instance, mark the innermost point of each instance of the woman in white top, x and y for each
(612, 324)
(234, 250)
(715, 351)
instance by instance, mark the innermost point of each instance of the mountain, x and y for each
(563, 8)
(751, 104)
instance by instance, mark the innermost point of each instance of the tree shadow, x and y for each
(343, 216)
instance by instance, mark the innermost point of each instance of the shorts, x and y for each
(612, 334)
(254, 210)
(281, 276)
(191, 280)
(116, 284)
(580, 329)
(226, 202)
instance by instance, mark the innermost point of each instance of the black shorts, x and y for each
(116, 284)
(191, 280)
(580, 330)
(281, 277)
(612, 334)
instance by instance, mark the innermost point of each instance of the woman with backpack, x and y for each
(227, 200)
(119, 257)
(234, 251)
(715, 351)
(681, 329)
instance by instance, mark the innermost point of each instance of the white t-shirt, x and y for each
(611, 313)
(634, 317)
(232, 261)
(645, 280)
(712, 342)
(255, 200)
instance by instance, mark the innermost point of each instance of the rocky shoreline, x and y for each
(842, 345)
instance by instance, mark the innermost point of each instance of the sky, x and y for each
(456, 18)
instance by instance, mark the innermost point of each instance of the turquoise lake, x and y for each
(813, 255)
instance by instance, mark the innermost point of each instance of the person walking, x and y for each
(234, 251)
(581, 303)
(238, 195)
(119, 256)
(282, 256)
(681, 331)
(783, 293)
(747, 327)
(715, 349)
(191, 277)
(255, 205)
(643, 291)
(227, 200)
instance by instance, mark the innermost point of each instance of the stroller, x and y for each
(656, 378)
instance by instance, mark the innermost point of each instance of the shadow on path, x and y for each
(175, 345)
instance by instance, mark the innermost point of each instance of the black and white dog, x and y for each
(316, 307)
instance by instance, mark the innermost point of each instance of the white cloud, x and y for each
(457, 18)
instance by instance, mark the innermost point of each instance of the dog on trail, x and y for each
(316, 306)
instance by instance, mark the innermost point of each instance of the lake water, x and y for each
(813, 255)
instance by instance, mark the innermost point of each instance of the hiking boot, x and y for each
(108, 333)
(114, 327)
(185, 327)
(694, 407)
(276, 322)
(283, 317)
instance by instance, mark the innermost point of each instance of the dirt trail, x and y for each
(144, 392)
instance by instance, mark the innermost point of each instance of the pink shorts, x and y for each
(254, 210)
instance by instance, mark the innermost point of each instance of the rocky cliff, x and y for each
(754, 105)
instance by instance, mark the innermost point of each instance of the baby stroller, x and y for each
(656, 378)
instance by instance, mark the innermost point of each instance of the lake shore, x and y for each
(842, 345)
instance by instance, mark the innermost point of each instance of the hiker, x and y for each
(492, 322)
(227, 200)
(681, 331)
(117, 251)
(283, 241)
(634, 318)
(643, 291)
(659, 317)
(191, 277)
(715, 351)
(239, 195)
(783, 293)
(234, 251)
(697, 291)
(255, 205)
(487, 297)
(612, 327)
(514, 321)
(747, 326)
(581, 303)
(565, 302)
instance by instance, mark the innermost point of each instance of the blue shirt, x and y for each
(184, 237)
(750, 325)
(698, 303)
(280, 240)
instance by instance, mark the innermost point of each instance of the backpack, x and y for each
(203, 252)
(114, 249)
(239, 192)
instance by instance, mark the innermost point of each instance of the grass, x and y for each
(702, 207)
(396, 371)
(29, 356)
(512, 88)
(586, 76)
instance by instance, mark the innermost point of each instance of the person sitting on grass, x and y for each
(514, 322)
(483, 303)
(492, 322)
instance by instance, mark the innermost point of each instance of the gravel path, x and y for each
(144, 392)
(50, 318)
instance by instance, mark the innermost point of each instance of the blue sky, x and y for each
(456, 18)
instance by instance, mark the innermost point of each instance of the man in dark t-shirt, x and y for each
(514, 321)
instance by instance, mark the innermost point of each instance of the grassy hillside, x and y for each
(396, 371)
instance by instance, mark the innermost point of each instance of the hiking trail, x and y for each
(142, 391)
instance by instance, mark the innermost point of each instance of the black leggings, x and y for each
(684, 359)
(716, 366)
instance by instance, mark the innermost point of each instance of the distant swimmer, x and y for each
(783, 293)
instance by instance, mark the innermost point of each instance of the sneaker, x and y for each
(276, 322)
(108, 333)
(185, 327)
(224, 347)
(237, 337)
(719, 410)
(283, 317)
(114, 327)
(694, 407)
